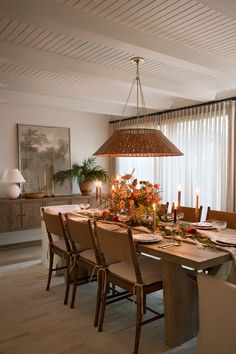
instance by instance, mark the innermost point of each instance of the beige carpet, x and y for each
(34, 321)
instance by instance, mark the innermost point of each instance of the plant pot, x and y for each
(86, 187)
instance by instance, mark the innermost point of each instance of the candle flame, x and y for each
(179, 188)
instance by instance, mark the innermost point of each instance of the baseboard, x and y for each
(12, 246)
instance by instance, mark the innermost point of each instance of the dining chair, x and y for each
(229, 217)
(81, 235)
(164, 208)
(137, 275)
(190, 213)
(225, 271)
(217, 320)
(53, 209)
(58, 245)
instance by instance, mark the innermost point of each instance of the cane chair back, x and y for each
(229, 217)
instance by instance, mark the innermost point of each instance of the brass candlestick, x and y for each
(197, 215)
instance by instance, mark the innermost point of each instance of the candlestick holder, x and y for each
(197, 215)
(154, 225)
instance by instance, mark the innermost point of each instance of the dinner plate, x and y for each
(147, 238)
(203, 225)
(224, 240)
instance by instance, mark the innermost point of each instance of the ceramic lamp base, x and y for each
(12, 191)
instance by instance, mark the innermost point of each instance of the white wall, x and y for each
(88, 132)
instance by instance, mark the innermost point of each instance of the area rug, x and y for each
(35, 321)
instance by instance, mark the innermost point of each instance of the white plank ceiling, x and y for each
(75, 54)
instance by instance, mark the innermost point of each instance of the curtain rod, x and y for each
(173, 110)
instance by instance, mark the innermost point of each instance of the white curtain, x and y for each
(204, 135)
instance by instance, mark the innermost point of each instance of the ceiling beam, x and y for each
(60, 18)
(71, 66)
(80, 105)
(61, 90)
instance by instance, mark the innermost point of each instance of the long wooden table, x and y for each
(180, 290)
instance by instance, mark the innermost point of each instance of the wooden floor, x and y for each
(20, 252)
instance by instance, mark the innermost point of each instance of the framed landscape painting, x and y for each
(42, 151)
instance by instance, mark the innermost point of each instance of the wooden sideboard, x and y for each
(24, 214)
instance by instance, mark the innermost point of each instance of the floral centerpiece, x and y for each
(139, 200)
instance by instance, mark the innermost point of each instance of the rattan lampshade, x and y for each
(138, 142)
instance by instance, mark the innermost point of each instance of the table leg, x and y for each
(180, 304)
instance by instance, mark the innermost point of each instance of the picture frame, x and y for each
(42, 151)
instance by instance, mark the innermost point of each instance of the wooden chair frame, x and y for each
(74, 232)
(229, 217)
(55, 227)
(139, 288)
(190, 213)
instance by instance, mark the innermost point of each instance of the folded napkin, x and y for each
(228, 269)
(142, 229)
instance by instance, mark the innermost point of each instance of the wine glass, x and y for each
(179, 216)
(123, 216)
(84, 206)
(219, 225)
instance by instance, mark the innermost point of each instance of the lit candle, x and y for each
(100, 191)
(112, 189)
(197, 199)
(154, 216)
(179, 188)
(118, 178)
(97, 183)
(175, 211)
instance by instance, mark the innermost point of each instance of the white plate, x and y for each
(147, 238)
(224, 240)
(203, 225)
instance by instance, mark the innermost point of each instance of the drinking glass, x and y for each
(179, 216)
(219, 225)
(84, 206)
(123, 217)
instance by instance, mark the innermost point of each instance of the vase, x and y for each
(86, 187)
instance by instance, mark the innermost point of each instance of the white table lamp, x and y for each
(10, 178)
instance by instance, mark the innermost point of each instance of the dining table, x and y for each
(180, 265)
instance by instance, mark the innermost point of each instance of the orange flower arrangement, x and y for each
(134, 198)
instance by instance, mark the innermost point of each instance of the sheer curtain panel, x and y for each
(206, 135)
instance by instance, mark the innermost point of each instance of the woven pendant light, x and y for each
(137, 142)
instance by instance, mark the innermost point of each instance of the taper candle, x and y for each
(97, 190)
(100, 191)
(175, 212)
(197, 199)
(154, 216)
(179, 195)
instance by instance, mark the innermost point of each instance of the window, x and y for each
(203, 138)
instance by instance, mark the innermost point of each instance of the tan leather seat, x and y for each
(217, 320)
(137, 275)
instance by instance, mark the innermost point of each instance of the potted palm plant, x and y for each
(85, 174)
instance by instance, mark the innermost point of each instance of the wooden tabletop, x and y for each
(187, 254)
